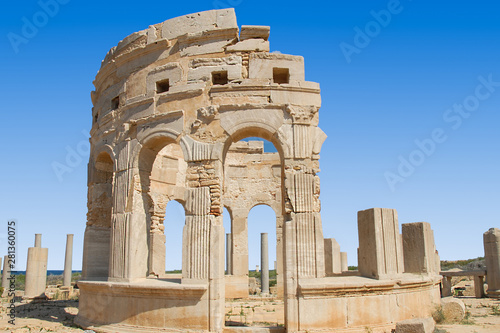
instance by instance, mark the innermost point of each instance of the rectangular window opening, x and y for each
(115, 103)
(219, 78)
(281, 75)
(162, 86)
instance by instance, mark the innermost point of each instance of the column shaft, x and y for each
(264, 263)
(68, 261)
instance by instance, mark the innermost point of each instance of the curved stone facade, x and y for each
(169, 102)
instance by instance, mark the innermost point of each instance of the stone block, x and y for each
(380, 246)
(344, 266)
(250, 45)
(254, 31)
(203, 21)
(171, 72)
(332, 257)
(419, 248)
(425, 325)
(261, 66)
(202, 69)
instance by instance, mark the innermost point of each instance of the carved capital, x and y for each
(301, 114)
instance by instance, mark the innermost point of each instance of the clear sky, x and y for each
(409, 85)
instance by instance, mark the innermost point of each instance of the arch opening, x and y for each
(174, 223)
(162, 171)
(261, 219)
(253, 195)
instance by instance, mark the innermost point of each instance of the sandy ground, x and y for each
(48, 316)
(58, 316)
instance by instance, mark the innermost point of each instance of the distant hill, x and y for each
(466, 265)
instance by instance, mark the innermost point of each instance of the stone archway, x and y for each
(251, 177)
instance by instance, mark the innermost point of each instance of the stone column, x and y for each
(344, 267)
(228, 254)
(38, 240)
(380, 245)
(5, 273)
(332, 257)
(491, 240)
(264, 263)
(68, 261)
(419, 248)
(36, 269)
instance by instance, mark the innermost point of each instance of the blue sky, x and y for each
(399, 86)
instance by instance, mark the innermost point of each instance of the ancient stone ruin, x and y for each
(171, 104)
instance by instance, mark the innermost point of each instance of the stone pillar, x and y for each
(380, 245)
(36, 269)
(5, 273)
(419, 248)
(491, 240)
(129, 248)
(479, 286)
(68, 260)
(203, 234)
(344, 267)
(239, 242)
(257, 268)
(446, 286)
(332, 257)
(438, 262)
(228, 254)
(264, 263)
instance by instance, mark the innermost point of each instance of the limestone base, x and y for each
(339, 304)
(354, 302)
(143, 306)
